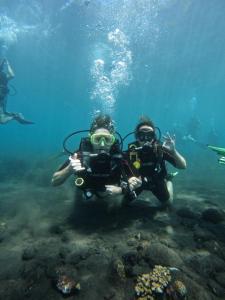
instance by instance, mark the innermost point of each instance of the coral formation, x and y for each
(120, 269)
(180, 288)
(159, 281)
(176, 290)
(66, 285)
(153, 283)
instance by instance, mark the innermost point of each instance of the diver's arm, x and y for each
(176, 159)
(60, 176)
(179, 160)
(112, 190)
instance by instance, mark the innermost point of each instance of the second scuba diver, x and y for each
(148, 157)
(6, 74)
(99, 166)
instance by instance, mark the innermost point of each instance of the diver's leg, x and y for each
(163, 191)
(20, 118)
(169, 185)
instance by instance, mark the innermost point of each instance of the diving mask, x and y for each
(98, 138)
(146, 136)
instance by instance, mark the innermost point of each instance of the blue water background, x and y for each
(177, 70)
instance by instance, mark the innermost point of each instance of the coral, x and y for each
(148, 285)
(180, 288)
(65, 284)
(120, 269)
(176, 291)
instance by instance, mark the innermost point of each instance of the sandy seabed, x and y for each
(44, 232)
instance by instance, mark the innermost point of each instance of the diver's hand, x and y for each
(134, 183)
(113, 190)
(169, 142)
(76, 163)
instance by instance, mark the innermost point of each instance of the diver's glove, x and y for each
(134, 183)
(76, 163)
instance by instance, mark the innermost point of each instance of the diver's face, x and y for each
(102, 140)
(145, 134)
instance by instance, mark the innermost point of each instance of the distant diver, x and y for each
(6, 74)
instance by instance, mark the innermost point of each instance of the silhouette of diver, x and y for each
(6, 74)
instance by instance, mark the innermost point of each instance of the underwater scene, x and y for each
(112, 149)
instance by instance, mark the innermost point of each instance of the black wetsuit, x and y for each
(149, 162)
(100, 170)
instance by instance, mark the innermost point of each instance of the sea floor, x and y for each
(44, 234)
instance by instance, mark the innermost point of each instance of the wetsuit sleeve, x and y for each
(64, 165)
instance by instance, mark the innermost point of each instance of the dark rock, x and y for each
(79, 255)
(213, 247)
(206, 264)
(74, 258)
(160, 254)
(197, 291)
(186, 212)
(202, 235)
(140, 269)
(188, 223)
(216, 229)
(130, 258)
(29, 253)
(63, 252)
(213, 215)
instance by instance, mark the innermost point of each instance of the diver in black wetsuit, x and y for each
(148, 157)
(6, 74)
(100, 169)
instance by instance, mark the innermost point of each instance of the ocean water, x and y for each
(127, 58)
(162, 58)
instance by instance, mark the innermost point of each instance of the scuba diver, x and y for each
(148, 156)
(98, 165)
(6, 74)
